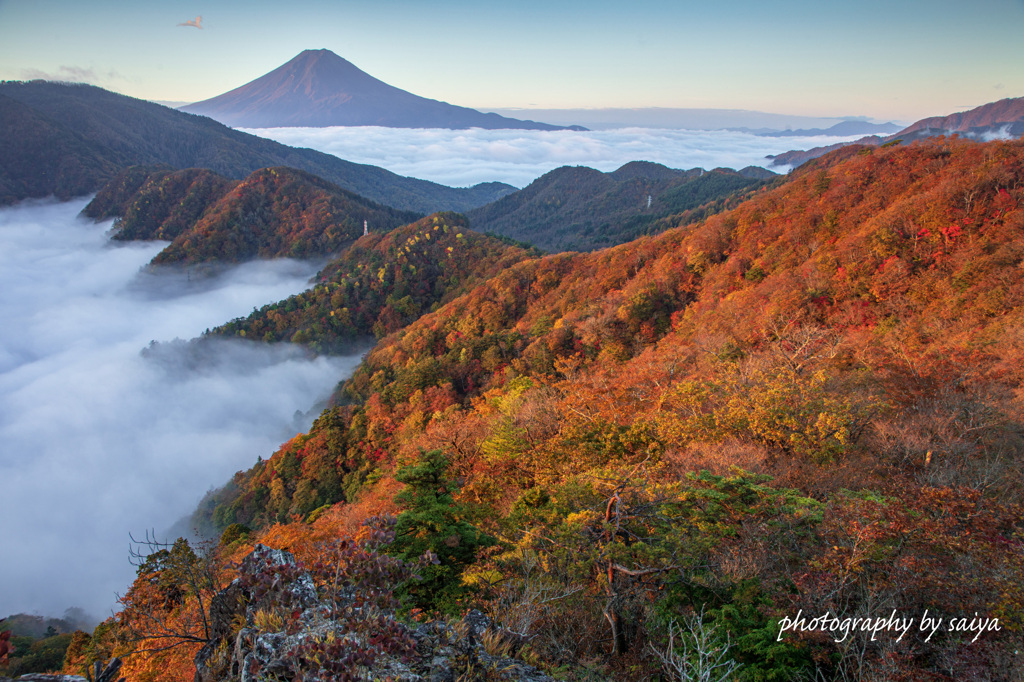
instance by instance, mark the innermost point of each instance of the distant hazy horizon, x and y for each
(888, 61)
(609, 118)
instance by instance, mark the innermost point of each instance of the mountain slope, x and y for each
(68, 140)
(997, 120)
(986, 118)
(382, 283)
(275, 212)
(901, 264)
(318, 88)
(857, 333)
(39, 157)
(581, 209)
(157, 202)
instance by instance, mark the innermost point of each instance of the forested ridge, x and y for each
(68, 140)
(995, 120)
(582, 209)
(157, 202)
(285, 212)
(275, 212)
(645, 457)
(382, 283)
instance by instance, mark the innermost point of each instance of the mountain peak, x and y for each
(318, 88)
(322, 58)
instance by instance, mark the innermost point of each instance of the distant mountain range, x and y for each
(994, 115)
(839, 129)
(1002, 119)
(318, 88)
(673, 118)
(170, 175)
(69, 140)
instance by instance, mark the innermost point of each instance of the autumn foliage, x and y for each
(382, 283)
(809, 402)
(272, 213)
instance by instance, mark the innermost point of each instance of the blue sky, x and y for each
(887, 60)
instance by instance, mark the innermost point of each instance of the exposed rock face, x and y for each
(315, 644)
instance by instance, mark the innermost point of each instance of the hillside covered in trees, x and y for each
(68, 140)
(995, 120)
(382, 283)
(275, 212)
(642, 460)
(582, 209)
(807, 403)
(285, 212)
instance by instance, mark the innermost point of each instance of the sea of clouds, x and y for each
(98, 439)
(461, 158)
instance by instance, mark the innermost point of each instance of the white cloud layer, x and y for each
(461, 158)
(97, 440)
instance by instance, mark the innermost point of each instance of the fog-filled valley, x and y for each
(465, 157)
(101, 434)
(645, 397)
(548, 342)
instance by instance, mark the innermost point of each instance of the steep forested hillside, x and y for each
(274, 212)
(581, 209)
(68, 140)
(157, 202)
(1006, 114)
(382, 283)
(809, 404)
(995, 120)
(39, 157)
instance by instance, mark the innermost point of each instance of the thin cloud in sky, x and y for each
(194, 23)
(77, 74)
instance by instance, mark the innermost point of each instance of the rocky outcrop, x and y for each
(291, 631)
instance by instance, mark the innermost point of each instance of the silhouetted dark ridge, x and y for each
(68, 140)
(318, 88)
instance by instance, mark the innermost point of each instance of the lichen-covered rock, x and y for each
(268, 579)
(290, 633)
